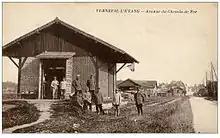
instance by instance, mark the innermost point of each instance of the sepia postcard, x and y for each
(109, 67)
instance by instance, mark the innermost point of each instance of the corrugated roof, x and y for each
(47, 55)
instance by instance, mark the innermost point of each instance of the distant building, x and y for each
(178, 90)
(131, 86)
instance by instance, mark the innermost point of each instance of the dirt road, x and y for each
(205, 115)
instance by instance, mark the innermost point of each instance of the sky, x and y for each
(169, 46)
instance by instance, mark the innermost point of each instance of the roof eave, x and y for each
(58, 21)
(35, 31)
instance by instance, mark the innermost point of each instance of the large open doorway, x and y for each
(52, 68)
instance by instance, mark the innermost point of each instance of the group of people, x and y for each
(55, 84)
(91, 96)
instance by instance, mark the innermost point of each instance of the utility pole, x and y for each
(206, 78)
(212, 67)
(211, 73)
(213, 82)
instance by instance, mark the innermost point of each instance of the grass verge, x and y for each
(20, 113)
(164, 117)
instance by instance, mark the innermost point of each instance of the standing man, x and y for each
(139, 100)
(116, 102)
(63, 84)
(54, 85)
(44, 86)
(77, 85)
(91, 85)
(98, 102)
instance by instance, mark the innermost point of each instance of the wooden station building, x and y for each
(61, 50)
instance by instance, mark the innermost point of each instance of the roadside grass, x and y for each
(182, 121)
(163, 117)
(20, 113)
(211, 98)
(170, 118)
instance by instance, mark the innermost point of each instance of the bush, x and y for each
(22, 113)
(202, 92)
(66, 107)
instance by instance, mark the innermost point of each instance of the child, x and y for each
(87, 100)
(63, 88)
(116, 102)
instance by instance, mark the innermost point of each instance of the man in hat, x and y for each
(139, 101)
(98, 101)
(91, 85)
(77, 84)
(116, 101)
(63, 85)
(54, 86)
